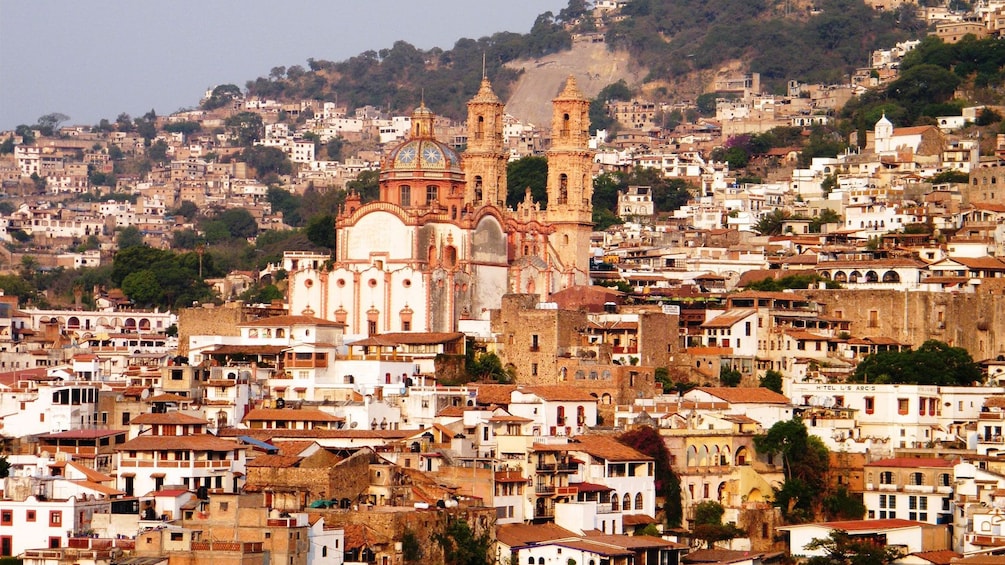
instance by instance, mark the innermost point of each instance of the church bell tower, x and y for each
(570, 181)
(485, 157)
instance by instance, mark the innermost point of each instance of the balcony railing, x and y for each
(557, 467)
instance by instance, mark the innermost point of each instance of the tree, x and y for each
(187, 209)
(772, 380)
(708, 525)
(843, 549)
(321, 231)
(366, 184)
(143, 288)
(805, 461)
(934, 363)
(411, 549)
(488, 366)
(771, 223)
(267, 161)
(826, 216)
(951, 176)
(843, 505)
(648, 441)
(247, 127)
(221, 96)
(49, 123)
(240, 223)
(461, 546)
(130, 236)
(730, 377)
(527, 172)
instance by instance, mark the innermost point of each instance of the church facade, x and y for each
(439, 245)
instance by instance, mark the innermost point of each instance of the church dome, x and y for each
(423, 155)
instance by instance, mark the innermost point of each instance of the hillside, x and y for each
(541, 78)
(670, 48)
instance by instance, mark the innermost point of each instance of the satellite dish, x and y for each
(145, 394)
(352, 425)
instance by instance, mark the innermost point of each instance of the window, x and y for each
(6, 517)
(902, 406)
(29, 516)
(882, 501)
(917, 478)
(886, 478)
(431, 194)
(125, 418)
(406, 195)
(747, 328)
(912, 503)
(922, 503)
(55, 518)
(177, 536)
(893, 502)
(6, 546)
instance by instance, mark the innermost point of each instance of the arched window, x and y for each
(615, 502)
(478, 188)
(917, 478)
(626, 503)
(560, 415)
(480, 127)
(871, 277)
(563, 188)
(840, 277)
(891, 277)
(530, 561)
(692, 456)
(580, 415)
(886, 478)
(324, 551)
(638, 501)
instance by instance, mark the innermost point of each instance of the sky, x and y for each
(93, 59)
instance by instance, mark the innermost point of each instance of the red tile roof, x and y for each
(746, 395)
(177, 418)
(289, 415)
(198, 442)
(606, 447)
(290, 320)
(911, 462)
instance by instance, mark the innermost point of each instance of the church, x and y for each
(439, 245)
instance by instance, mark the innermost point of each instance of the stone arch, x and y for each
(145, 324)
(854, 276)
(891, 277)
(73, 323)
(703, 456)
(840, 277)
(692, 456)
(871, 277)
(741, 456)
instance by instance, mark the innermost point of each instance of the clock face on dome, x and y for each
(407, 154)
(432, 155)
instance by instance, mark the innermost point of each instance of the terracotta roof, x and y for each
(198, 442)
(277, 461)
(982, 263)
(729, 317)
(501, 418)
(91, 474)
(560, 393)
(939, 557)
(493, 394)
(168, 397)
(290, 320)
(635, 542)
(293, 447)
(591, 487)
(510, 477)
(289, 415)
(606, 447)
(746, 395)
(911, 462)
(97, 487)
(520, 535)
(864, 525)
(270, 434)
(452, 412)
(177, 418)
(358, 536)
(604, 549)
(82, 434)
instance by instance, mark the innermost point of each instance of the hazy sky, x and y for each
(93, 59)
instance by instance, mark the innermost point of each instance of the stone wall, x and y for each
(975, 322)
(208, 320)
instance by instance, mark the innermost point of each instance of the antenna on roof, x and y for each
(484, 75)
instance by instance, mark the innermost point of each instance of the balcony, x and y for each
(557, 467)
(887, 488)
(919, 488)
(243, 547)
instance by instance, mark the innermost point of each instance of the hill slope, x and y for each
(541, 78)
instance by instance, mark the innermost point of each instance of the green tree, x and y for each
(843, 549)
(321, 231)
(934, 363)
(730, 377)
(488, 367)
(772, 380)
(267, 161)
(708, 525)
(366, 184)
(411, 549)
(130, 236)
(221, 96)
(184, 128)
(527, 172)
(648, 441)
(49, 123)
(247, 127)
(843, 505)
(805, 461)
(187, 209)
(826, 216)
(951, 176)
(4, 467)
(771, 223)
(240, 223)
(143, 288)
(461, 546)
